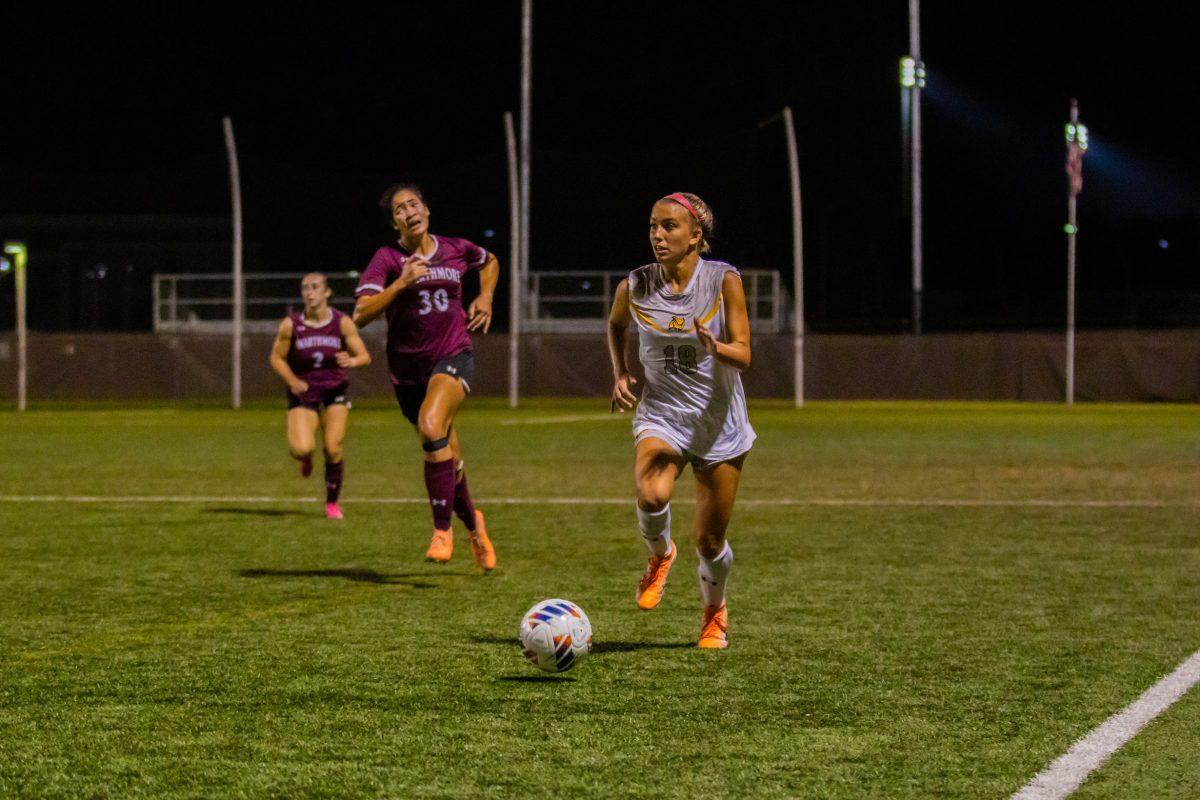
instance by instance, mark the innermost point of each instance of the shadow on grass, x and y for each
(597, 647)
(261, 512)
(356, 575)
(535, 679)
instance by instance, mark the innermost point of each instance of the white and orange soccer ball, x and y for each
(555, 635)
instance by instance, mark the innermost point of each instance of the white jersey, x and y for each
(691, 400)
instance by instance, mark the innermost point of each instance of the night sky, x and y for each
(117, 112)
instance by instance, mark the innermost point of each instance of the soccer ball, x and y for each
(555, 635)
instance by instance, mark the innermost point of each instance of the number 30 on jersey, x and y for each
(437, 300)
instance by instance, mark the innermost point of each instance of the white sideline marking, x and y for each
(1066, 774)
(594, 501)
(564, 418)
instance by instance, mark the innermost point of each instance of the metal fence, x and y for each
(203, 303)
(579, 302)
(555, 302)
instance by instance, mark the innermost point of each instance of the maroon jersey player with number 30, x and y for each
(417, 284)
(312, 351)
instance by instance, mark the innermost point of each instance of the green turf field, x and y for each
(887, 639)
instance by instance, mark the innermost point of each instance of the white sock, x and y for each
(713, 575)
(656, 529)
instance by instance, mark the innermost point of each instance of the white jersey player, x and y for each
(693, 342)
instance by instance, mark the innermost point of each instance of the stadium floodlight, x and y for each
(1077, 133)
(912, 73)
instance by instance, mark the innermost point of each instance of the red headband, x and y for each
(683, 201)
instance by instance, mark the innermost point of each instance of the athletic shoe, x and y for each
(333, 511)
(654, 581)
(714, 626)
(306, 466)
(441, 546)
(481, 545)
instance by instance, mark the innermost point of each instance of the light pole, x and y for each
(20, 255)
(912, 81)
(1076, 134)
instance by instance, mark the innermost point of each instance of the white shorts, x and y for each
(698, 462)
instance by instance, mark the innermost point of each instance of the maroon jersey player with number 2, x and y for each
(312, 351)
(417, 284)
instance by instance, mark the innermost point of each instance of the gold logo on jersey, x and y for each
(676, 324)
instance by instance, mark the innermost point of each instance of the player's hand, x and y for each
(298, 388)
(414, 269)
(707, 340)
(479, 315)
(622, 394)
(344, 359)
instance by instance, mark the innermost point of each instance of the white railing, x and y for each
(555, 302)
(579, 301)
(203, 303)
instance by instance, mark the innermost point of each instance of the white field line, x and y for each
(592, 501)
(1066, 774)
(563, 418)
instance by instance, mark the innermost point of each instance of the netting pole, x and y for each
(239, 289)
(797, 257)
(1072, 228)
(526, 98)
(20, 256)
(514, 261)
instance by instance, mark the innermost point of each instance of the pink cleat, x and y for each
(333, 511)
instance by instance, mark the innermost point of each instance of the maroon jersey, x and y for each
(313, 354)
(426, 322)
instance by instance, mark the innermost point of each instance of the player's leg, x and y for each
(716, 489)
(334, 419)
(443, 396)
(447, 488)
(302, 436)
(464, 507)
(656, 466)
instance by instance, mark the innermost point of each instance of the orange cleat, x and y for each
(306, 466)
(441, 546)
(714, 626)
(654, 581)
(481, 545)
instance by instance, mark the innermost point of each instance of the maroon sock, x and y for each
(439, 482)
(333, 480)
(463, 507)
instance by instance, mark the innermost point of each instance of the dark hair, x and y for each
(324, 279)
(385, 200)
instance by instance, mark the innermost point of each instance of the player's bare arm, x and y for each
(279, 351)
(355, 354)
(735, 352)
(479, 315)
(368, 308)
(618, 335)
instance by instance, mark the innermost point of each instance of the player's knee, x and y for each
(710, 543)
(431, 429)
(653, 497)
(333, 455)
(300, 451)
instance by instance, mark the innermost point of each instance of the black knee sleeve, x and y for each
(434, 445)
